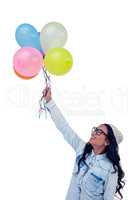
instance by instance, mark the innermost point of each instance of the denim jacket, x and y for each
(95, 182)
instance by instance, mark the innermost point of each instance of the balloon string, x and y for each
(42, 101)
(47, 78)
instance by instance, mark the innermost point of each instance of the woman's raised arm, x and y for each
(61, 124)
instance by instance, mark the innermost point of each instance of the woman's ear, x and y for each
(107, 142)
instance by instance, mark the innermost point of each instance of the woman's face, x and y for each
(99, 136)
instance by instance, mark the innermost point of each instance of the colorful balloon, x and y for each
(53, 35)
(23, 77)
(27, 36)
(58, 61)
(27, 62)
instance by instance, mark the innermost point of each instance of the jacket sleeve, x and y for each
(62, 125)
(110, 186)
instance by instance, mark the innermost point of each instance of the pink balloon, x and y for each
(27, 61)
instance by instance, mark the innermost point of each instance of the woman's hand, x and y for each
(47, 94)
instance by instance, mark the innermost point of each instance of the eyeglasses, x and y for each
(97, 131)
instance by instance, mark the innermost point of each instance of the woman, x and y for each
(97, 173)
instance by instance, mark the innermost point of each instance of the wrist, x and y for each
(50, 104)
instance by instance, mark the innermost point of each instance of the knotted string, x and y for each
(42, 101)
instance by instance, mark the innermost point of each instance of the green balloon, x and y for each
(58, 61)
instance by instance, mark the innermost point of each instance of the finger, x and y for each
(45, 92)
(49, 92)
(46, 88)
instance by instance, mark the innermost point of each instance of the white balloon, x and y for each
(53, 35)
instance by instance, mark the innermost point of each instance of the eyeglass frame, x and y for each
(95, 131)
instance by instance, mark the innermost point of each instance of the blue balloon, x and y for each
(27, 36)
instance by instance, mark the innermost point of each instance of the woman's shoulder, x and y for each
(80, 149)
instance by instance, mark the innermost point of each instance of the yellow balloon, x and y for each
(58, 61)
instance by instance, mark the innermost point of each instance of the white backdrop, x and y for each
(35, 161)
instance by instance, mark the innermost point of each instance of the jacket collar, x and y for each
(98, 156)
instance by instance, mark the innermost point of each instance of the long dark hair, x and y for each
(112, 152)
